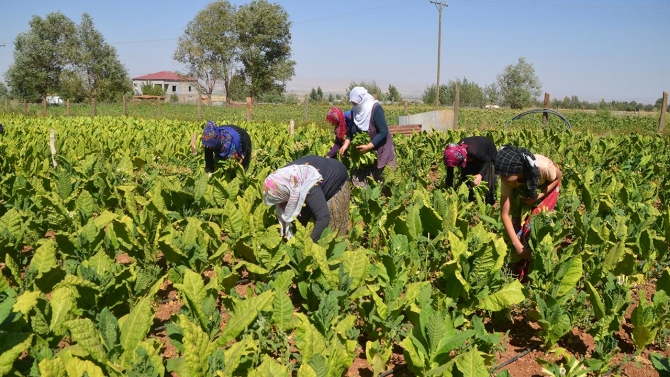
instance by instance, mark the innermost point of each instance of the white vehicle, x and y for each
(54, 100)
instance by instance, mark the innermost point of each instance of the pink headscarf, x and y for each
(336, 117)
(455, 155)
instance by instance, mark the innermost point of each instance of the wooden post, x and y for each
(194, 149)
(158, 104)
(305, 116)
(44, 106)
(52, 144)
(199, 107)
(6, 105)
(125, 108)
(95, 107)
(456, 106)
(291, 127)
(664, 109)
(405, 108)
(25, 106)
(250, 109)
(67, 103)
(545, 115)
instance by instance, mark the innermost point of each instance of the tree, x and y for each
(97, 65)
(313, 96)
(264, 36)
(209, 48)
(4, 92)
(491, 94)
(41, 54)
(331, 98)
(149, 89)
(394, 94)
(238, 88)
(371, 87)
(319, 94)
(518, 84)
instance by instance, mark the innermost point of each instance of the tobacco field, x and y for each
(121, 257)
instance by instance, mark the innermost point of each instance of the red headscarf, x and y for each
(336, 117)
(455, 155)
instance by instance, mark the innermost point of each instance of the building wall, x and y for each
(185, 90)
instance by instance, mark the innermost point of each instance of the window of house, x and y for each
(189, 88)
(174, 88)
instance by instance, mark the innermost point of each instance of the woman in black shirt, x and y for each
(475, 155)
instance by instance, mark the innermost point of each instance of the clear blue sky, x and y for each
(594, 49)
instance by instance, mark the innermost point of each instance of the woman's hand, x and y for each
(365, 148)
(477, 179)
(344, 147)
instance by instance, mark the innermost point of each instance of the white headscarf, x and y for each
(363, 108)
(287, 189)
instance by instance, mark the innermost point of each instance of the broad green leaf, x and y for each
(245, 313)
(135, 325)
(596, 301)
(283, 311)
(308, 339)
(357, 265)
(26, 302)
(77, 367)
(472, 364)
(61, 302)
(85, 204)
(86, 335)
(196, 346)
(236, 352)
(193, 289)
(270, 368)
(507, 296)
(11, 346)
(572, 276)
(52, 367)
(44, 258)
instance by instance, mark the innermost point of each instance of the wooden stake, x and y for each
(44, 105)
(199, 107)
(664, 110)
(194, 149)
(125, 109)
(67, 103)
(25, 106)
(52, 144)
(95, 108)
(291, 127)
(250, 109)
(545, 115)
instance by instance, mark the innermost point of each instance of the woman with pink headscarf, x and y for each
(475, 155)
(343, 124)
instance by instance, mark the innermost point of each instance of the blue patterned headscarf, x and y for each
(224, 140)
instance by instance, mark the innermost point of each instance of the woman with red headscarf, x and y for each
(475, 156)
(343, 125)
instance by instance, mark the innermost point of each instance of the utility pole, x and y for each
(439, 6)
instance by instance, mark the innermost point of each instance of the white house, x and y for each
(171, 83)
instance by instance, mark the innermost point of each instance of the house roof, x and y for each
(164, 76)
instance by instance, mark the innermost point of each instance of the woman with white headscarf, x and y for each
(369, 117)
(310, 187)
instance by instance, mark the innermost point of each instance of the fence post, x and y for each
(405, 108)
(199, 107)
(456, 106)
(125, 109)
(545, 115)
(305, 116)
(194, 149)
(6, 105)
(52, 144)
(67, 103)
(664, 110)
(291, 127)
(44, 106)
(158, 104)
(25, 106)
(250, 109)
(95, 107)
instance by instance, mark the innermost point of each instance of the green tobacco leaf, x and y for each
(308, 339)
(26, 302)
(52, 368)
(572, 276)
(357, 265)
(44, 258)
(85, 204)
(62, 301)
(79, 367)
(11, 346)
(414, 222)
(472, 364)
(270, 368)
(283, 311)
(86, 335)
(197, 347)
(507, 296)
(596, 301)
(245, 313)
(135, 325)
(235, 354)
(193, 289)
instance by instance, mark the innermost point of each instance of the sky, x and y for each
(593, 49)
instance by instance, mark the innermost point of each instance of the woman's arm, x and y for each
(336, 147)
(505, 206)
(209, 160)
(449, 180)
(318, 205)
(547, 189)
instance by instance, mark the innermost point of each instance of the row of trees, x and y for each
(245, 49)
(58, 56)
(392, 95)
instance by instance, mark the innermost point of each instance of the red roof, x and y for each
(164, 76)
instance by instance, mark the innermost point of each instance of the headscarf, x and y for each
(511, 160)
(363, 109)
(337, 118)
(224, 140)
(289, 186)
(455, 155)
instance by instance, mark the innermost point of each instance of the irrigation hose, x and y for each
(517, 357)
(390, 372)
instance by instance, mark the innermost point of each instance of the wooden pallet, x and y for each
(407, 129)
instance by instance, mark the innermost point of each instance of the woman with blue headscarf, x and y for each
(223, 142)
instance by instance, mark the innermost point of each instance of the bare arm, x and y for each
(505, 205)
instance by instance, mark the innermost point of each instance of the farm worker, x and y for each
(310, 187)
(344, 124)
(368, 116)
(223, 142)
(475, 156)
(523, 172)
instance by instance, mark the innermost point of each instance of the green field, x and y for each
(120, 256)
